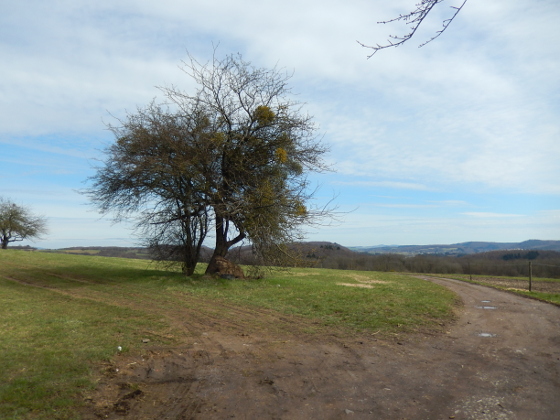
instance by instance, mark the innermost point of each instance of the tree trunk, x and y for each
(188, 269)
(221, 248)
(222, 243)
(189, 261)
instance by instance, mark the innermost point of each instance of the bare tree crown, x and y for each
(229, 159)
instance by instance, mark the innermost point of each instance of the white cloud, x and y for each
(472, 114)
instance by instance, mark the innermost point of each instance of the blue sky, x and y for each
(456, 141)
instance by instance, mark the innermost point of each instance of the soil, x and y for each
(499, 360)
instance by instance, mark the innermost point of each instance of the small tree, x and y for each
(18, 223)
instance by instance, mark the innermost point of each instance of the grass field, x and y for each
(61, 316)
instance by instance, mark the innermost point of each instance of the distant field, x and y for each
(119, 252)
(80, 251)
(62, 316)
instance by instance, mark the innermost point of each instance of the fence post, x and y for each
(530, 275)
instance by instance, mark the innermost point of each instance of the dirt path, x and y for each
(501, 360)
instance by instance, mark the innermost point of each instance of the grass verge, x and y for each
(545, 290)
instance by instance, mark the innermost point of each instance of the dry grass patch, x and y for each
(363, 279)
(365, 286)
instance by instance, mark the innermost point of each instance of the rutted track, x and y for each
(237, 368)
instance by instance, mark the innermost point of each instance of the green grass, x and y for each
(393, 303)
(48, 343)
(61, 315)
(545, 297)
(81, 251)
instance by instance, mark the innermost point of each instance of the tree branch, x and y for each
(414, 19)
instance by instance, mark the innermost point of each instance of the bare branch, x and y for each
(414, 19)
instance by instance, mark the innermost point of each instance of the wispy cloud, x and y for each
(384, 184)
(452, 203)
(487, 215)
(405, 206)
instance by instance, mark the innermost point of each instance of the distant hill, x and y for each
(311, 251)
(322, 250)
(463, 248)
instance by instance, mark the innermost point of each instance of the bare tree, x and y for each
(230, 158)
(414, 19)
(18, 223)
